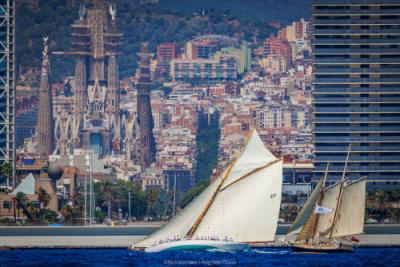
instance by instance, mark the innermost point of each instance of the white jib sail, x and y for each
(181, 223)
(350, 216)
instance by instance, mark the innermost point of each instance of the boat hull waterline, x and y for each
(325, 248)
(190, 245)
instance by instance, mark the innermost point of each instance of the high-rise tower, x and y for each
(95, 41)
(357, 89)
(7, 82)
(144, 116)
(45, 129)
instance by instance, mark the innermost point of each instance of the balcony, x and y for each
(371, 158)
(320, 89)
(356, 31)
(345, 51)
(319, 80)
(344, 41)
(356, 100)
(357, 109)
(356, 139)
(354, 12)
(333, 120)
(336, 22)
(367, 129)
(336, 149)
(356, 60)
(346, 70)
(350, 168)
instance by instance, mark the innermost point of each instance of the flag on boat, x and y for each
(322, 210)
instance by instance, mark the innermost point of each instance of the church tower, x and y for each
(45, 129)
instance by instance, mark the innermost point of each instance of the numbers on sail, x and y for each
(273, 195)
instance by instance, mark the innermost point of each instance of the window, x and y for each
(7, 205)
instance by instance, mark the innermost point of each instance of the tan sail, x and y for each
(308, 229)
(350, 217)
(307, 209)
(325, 221)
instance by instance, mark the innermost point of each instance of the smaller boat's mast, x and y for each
(340, 192)
(308, 229)
(321, 196)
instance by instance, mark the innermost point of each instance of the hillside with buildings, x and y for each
(140, 21)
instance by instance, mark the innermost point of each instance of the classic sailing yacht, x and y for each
(240, 207)
(330, 215)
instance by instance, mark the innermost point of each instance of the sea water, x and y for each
(253, 257)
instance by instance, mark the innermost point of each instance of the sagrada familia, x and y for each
(96, 121)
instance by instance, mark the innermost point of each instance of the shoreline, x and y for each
(119, 237)
(120, 242)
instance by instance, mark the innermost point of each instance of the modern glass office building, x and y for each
(7, 78)
(357, 89)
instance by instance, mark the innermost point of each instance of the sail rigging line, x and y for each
(340, 193)
(356, 181)
(250, 173)
(204, 212)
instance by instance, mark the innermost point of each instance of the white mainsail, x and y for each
(248, 210)
(253, 156)
(351, 211)
(242, 204)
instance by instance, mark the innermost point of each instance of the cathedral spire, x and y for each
(45, 62)
(144, 115)
(45, 128)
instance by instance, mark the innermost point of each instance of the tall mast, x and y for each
(321, 196)
(340, 192)
(345, 164)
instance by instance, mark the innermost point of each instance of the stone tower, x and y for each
(95, 42)
(45, 127)
(144, 115)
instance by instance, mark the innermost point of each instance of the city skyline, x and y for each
(187, 105)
